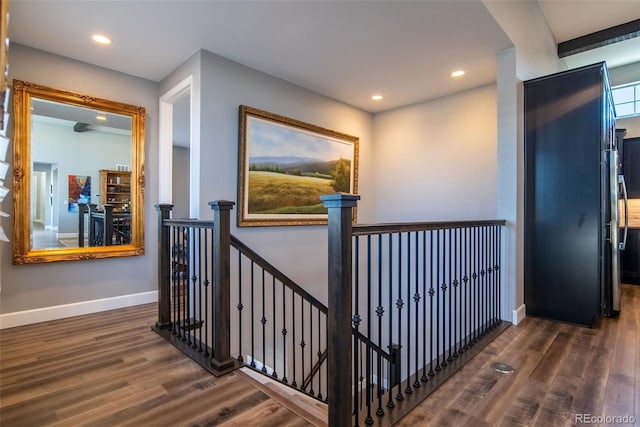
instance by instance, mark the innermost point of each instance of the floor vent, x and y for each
(501, 367)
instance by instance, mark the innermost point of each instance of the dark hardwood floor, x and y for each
(563, 374)
(110, 369)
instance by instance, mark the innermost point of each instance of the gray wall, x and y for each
(224, 86)
(27, 287)
(180, 185)
(437, 160)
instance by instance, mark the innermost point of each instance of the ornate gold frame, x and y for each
(22, 251)
(244, 219)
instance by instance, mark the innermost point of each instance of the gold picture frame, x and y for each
(285, 165)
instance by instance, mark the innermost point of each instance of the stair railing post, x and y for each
(92, 224)
(221, 360)
(107, 227)
(164, 268)
(339, 331)
(83, 208)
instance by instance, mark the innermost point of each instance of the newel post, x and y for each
(221, 360)
(164, 268)
(339, 332)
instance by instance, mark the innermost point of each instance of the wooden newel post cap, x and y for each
(340, 200)
(164, 207)
(222, 205)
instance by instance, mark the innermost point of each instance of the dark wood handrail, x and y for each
(188, 223)
(261, 262)
(277, 274)
(366, 229)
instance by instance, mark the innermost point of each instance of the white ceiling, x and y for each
(347, 50)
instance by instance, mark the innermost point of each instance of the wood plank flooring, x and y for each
(561, 372)
(109, 369)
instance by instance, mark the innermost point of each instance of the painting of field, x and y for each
(287, 165)
(277, 193)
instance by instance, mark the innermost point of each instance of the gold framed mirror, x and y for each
(78, 176)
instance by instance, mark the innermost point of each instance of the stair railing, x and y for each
(278, 329)
(429, 293)
(194, 286)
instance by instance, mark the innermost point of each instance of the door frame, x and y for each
(167, 100)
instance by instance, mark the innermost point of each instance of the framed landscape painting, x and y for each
(285, 165)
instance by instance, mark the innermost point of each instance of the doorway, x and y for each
(180, 150)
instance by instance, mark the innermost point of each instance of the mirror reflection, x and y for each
(78, 176)
(81, 176)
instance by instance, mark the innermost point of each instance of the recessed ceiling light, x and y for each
(457, 73)
(99, 38)
(101, 118)
(377, 97)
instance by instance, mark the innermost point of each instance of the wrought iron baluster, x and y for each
(424, 377)
(416, 299)
(294, 383)
(319, 358)
(355, 320)
(451, 294)
(240, 306)
(467, 284)
(253, 325)
(494, 304)
(390, 403)
(481, 255)
(284, 335)
(185, 284)
(438, 367)
(432, 292)
(326, 371)
(302, 343)
(485, 309)
(274, 372)
(454, 294)
(408, 389)
(496, 261)
(311, 391)
(368, 419)
(444, 288)
(201, 319)
(174, 283)
(460, 291)
(263, 321)
(380, 314)
(206, 296)
(489, 270)
(476, 280)
(399, 305)
(194, 289)
(499, 263)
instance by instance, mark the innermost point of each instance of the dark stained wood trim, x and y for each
(600, 38)
(164, 267)
(221, 360)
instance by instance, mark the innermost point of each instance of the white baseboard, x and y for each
(45, 314)
(67, 235)
(519, 314)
